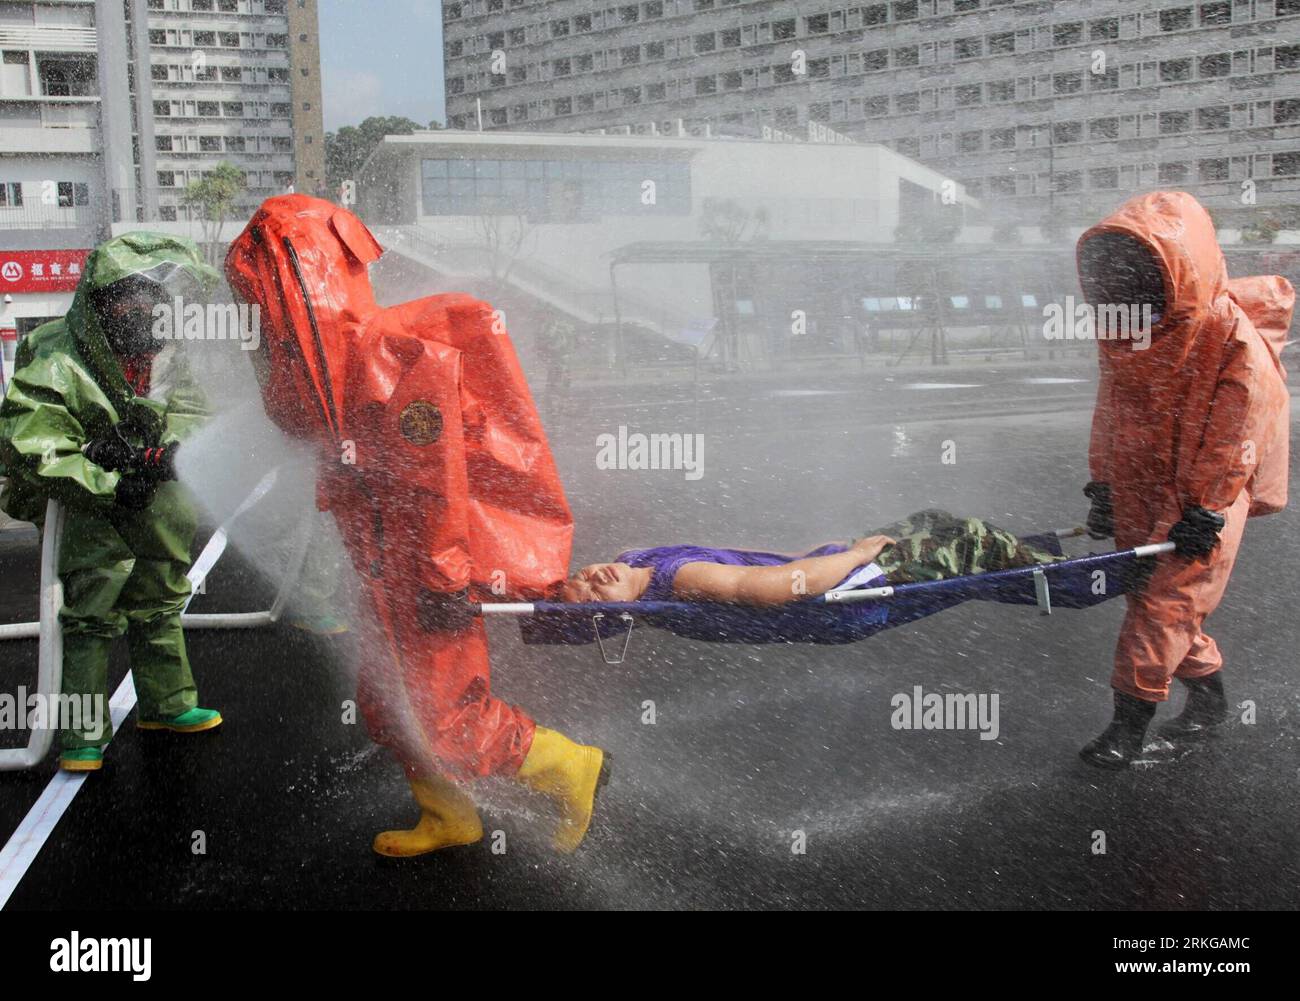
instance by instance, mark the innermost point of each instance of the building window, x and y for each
(1004, 138)
(1002, 44)
(730, 38)
(817, 24)
(1286, 112)
(962, 6)
(907, 104)
(705, 43)
(782, 30)
(1103, 128)
(157, 72)
(162, 109)
(208, 38)
(909, 55)
(1172, 122)
(1209, 119)
(1067, 83)
(1103, 178)
(1178, 19)
(1067, 181)
(1175, 70)
(1285, 164)
(629, 14)
(875, 60)
(559, 29)
(1214, 170)
(1001, 91)
(1219, 64)
(1286, 57)
(875, 107)
(1173, 173)
(1285, 7)
(968, 95)
(706, 85)
(275, 41)
(11, 195)
(1067, 132)
(968, 48)
(1216, 13)
(1002, 185)
(1103, 29)
(1105, 81)
(876, 13)
(970, 142)
(1067, 34)
(905, 11)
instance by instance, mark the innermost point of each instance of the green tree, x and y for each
(215, 196)
(348, 148)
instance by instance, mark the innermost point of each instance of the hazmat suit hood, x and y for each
(1200, 415)
(424, 395)
(128, 256)
(1178, 235)
(304, 261)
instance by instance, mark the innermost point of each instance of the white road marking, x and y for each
(26, 842)
(1050, 381)
(943, 385)
(29, 838)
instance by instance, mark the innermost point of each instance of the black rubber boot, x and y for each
(1205, 711)
(1120, 744)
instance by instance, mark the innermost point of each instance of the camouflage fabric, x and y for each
(935, 545)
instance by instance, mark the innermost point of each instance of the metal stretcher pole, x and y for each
(49, 671)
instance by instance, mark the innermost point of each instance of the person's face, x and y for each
(603, 582)
(128, 321)
(1115, 269)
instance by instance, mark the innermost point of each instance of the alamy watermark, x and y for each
(213, 321)
(921, 710)
(683, 452)
(1082, 321)
(84, 714)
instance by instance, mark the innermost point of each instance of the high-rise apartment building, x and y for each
(1039, 108)
(110, 108)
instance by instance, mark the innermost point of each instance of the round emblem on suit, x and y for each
(421, 423)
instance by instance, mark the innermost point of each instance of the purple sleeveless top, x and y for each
(665, 561)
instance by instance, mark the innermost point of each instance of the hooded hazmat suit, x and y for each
(122, 569)
(435, 466)
(1200, 419)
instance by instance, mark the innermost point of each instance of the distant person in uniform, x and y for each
(556, 343)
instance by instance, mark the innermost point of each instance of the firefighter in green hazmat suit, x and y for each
(97, 406)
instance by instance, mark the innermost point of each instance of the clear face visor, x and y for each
(126, 308)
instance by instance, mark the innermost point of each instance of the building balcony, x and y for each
(48, 38)
(49, 217)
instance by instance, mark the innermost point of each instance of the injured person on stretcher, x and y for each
(927, 545)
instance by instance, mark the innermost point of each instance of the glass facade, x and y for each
(553, 190)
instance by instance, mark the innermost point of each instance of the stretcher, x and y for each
(838, 616)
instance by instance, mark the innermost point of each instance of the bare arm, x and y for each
(779, 585)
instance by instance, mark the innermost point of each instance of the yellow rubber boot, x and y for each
(447, 818)
(570, 774)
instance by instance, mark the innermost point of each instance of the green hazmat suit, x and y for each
(123, 571)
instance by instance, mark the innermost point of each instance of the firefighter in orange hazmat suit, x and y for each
(435, 466)
(1189, 438)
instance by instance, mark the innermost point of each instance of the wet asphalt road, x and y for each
(750, 744)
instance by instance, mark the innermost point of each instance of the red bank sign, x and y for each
(40, 270)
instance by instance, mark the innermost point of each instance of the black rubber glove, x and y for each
(1101, 516)
(111, 451)
(1198, 533)
(156, 464)
(135, 493)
